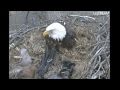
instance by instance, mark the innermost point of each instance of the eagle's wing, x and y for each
(50, 52)
(69, 41)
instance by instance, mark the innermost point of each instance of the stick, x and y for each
(82, 16)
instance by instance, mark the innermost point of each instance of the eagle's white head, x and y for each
(56, 31)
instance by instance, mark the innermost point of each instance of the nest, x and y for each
(91, 54)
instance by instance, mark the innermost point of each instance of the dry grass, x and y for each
(91, 54)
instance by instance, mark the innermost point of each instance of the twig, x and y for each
(21, 33)
(100, 66)
(82, 16)
(99, 43)
(98, 62)
(26, 19)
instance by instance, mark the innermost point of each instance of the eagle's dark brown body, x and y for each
(69, 41)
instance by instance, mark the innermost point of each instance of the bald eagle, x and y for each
(56, 35)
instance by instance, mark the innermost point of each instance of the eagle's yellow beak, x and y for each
(45, 33)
